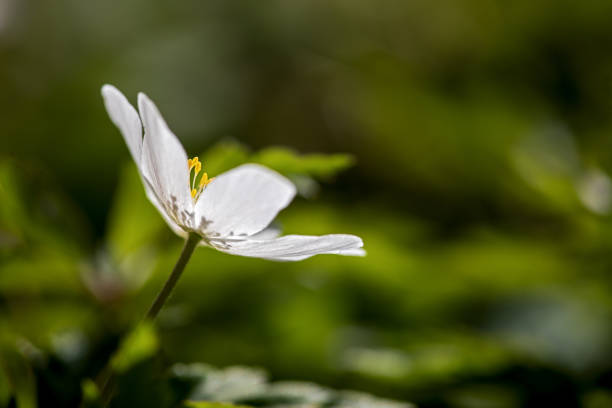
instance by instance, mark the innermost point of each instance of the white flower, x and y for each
(232, 212)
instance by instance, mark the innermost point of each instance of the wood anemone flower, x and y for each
(230, 212)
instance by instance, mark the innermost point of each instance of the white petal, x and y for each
(295, 247)
(354, 252)
(125, 117)
(164, 161)
(152, 196)
(243, 201)
(271, 232)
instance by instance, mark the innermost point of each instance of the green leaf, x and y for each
(34, 213)
(227, 155)
(134, 222)
(224, 156)
(138, 346)
(19, 375)
(289, 162)
(91, 393)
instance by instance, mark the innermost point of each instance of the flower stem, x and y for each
(190, 244)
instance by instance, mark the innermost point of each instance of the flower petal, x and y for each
(295, 247)
(154, 199)
(164, 161)
(270, 232)
(125, 117)
(243, 201)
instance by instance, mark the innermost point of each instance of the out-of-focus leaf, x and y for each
(43, 271)
(142, 377)
(11, 212)
(17, 371)
(35, 214)
(248, 387)
(289, 162)
(40, 235)
(224, 156)
(42, 321)
(5, 390)
(133, 222)
(133, 232)
(430, 358)
(484, 396)
(91, 394)
(600, 398)
(549, 163)
(137, 346)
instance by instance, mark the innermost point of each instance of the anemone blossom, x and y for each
(231, 212)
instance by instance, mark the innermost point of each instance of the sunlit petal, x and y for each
(243, 201)
(164, 161)
(163, 211)
(125, 117)
(296, 247)
(271, 232)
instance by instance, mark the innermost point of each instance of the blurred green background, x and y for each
(478, 142)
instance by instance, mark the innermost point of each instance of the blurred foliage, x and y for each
(478, 151)
(138, 345)
(250, 387)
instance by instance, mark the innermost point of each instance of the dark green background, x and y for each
(481, 138)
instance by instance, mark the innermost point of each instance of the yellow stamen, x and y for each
(195, 165)
(204, 180)
(193, 162)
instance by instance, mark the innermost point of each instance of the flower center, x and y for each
(198, 180)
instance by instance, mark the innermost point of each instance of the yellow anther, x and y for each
(197, 186)
(193, 162)
(204, 180)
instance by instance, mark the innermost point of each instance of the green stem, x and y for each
(190, 245)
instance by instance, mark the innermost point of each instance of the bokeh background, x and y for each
(468, 142)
